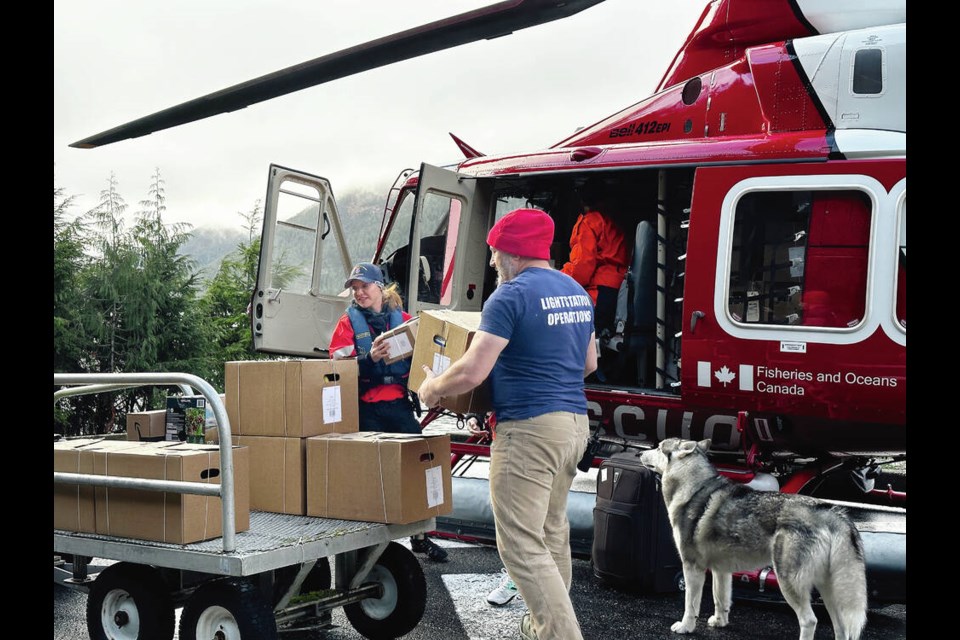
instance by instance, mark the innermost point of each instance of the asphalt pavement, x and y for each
(457, 609)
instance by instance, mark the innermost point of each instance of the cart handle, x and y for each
(98, 382)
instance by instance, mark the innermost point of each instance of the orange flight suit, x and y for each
(598, 253)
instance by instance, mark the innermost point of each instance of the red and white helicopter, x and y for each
(764, 186)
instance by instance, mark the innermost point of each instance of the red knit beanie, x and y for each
(523, 232)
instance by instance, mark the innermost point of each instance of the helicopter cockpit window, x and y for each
(395, 253)
(868, 72)
(399, 234)
(506, 204)
(800, 258)
(298, 247)
(438, 227)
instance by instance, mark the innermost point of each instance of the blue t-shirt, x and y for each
(547, 318)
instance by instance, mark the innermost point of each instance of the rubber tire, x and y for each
(234, 606)
(404, 600)
(319, 579)
(139, 592)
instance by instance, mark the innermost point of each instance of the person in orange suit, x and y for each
(598, 255)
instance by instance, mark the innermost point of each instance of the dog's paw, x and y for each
(683, 627)
(717, 620)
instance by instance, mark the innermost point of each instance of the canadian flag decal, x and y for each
(725, 376)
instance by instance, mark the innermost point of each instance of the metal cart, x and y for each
(253, 585)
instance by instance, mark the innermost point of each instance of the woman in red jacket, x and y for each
(384, 402)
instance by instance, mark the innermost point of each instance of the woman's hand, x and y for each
(380, 349)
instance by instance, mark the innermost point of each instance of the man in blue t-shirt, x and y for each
(536, 343)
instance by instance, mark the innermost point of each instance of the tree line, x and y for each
(126, 299)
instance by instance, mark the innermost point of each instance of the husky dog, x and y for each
(722, 527)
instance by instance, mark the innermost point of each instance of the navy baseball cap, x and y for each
(365, 272)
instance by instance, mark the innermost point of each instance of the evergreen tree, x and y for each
(69, 337)
(164, 326)
(140, 311)
(227, 298)
(104, 285)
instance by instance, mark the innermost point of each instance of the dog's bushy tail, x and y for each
(846, 594)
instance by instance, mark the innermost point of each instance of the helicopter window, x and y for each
(301, 210)
(691, 91)
(399, 234)
(902, 267)
(438, 227)
(868, 72)
(800, 258)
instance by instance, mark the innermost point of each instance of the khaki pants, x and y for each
(532, 466)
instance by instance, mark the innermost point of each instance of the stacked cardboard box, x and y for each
(73, 505)
(379, 477)
(138, 513)
(273, 407)
(147, 425)
(442, 338)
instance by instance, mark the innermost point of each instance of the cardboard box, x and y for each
(292, 398)
(185, 417)
(401, 340)
(161, 516)
(278, 472)
(443, 338)
(147, 425)
(74, 507)
(379, 477)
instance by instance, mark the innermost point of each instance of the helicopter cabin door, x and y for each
(446, 272)
(304, 261)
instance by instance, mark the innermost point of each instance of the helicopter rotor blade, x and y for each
(487, 22)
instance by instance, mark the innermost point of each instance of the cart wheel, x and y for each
(404, 596)
(129, 602)
(317, 580)
(230, 609)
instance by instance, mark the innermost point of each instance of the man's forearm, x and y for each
(459, 378)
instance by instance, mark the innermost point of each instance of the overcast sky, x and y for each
(119, 60)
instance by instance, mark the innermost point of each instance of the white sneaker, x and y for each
(504, 593)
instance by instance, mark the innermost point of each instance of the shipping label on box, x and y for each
(147, 425)
(166, 516)
(442, 338)
(379, 477)
(292, 398)
(401, 340)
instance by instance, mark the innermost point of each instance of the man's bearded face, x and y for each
(505, 265)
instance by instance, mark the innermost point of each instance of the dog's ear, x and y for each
(705, 445)
(685, 448)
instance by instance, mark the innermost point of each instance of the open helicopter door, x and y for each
(446, 242)
(304, 261)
